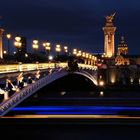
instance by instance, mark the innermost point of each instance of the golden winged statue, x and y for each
(110, 18)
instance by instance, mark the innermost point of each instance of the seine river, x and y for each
(73, 109)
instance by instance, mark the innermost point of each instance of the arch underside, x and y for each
(85, 74)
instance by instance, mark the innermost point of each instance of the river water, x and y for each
(74, 97)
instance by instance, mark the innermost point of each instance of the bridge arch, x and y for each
(92, 78)
(19, 96)
(89, 76)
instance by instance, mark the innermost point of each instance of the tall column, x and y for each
(105, 43)
(113, 44)
(1, 49)
(109, 31)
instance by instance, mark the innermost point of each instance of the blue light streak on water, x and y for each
(76, 113)
(100, 110)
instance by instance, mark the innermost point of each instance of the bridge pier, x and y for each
(109, 74)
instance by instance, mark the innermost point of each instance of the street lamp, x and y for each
(5, 52)
(65, 50)
(35, 48)
(47, 47)
(17, 42)
(35, 45)
(79, 53)
(74, 52)
(8, 36)
(58, 49)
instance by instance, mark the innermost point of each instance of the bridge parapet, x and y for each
(38, 66)
(85, 66)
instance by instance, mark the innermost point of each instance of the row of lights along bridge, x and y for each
(87, 57)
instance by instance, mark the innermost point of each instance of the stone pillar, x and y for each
(109, 46)
(1, 49)
(109, 31)
(105, 43)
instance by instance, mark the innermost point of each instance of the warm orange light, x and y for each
(90, 56)
(44, 44)
(48, 44)
(65, 49)
(5, 52)
(35, 46)
(101, 83)
(83, 54)
(17, 38)
(8, 36)
(79, 53)
(74, 51)
(58, 48)
(35, 41)
(17, 44)
(48, 48)
(87, 55)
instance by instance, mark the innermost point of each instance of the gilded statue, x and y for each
(110, 18)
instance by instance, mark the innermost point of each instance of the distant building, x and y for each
(122, 51)
(121, 60)
(122, 47)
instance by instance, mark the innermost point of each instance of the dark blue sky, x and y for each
(76, 23)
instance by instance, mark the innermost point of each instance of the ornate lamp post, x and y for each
(65, 50)
(35, 45)
(74, 52)
(8, 36)
(18, 43)
(58, 49)
(47, 48)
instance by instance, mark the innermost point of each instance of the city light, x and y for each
(8, 36)
(101, 83)
(47, 47)
(74, 52)
(79, 53)
(65, 49)
(5, 52)
(17, 42)
(50, 57)
(35, 44)
(58, 49)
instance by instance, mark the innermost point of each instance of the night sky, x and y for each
(75, 23)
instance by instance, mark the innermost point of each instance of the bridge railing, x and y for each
(85, 66)
(29, 67)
